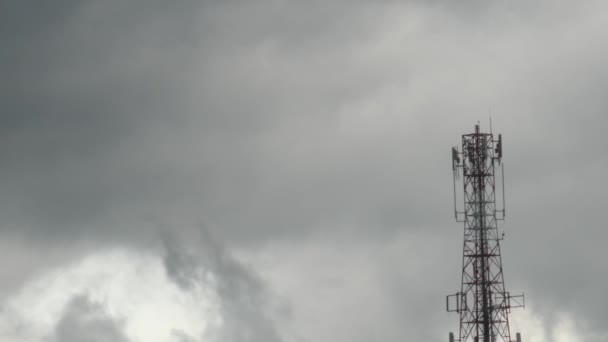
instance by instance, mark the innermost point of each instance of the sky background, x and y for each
(279, 171)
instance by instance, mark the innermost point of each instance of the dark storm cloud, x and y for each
(280, 119)
(115, 109)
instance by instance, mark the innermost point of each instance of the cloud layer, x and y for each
(312, 139)
(129, 295)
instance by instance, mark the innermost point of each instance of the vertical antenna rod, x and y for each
(483, 303)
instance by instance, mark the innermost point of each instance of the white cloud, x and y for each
(131, 287)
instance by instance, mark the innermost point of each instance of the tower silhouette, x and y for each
(483, 303)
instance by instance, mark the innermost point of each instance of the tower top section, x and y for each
(480, 155)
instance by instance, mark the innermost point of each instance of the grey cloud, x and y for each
(168, 102)
(203, 104)
(246, 308)
(182, 337)
(84, 320)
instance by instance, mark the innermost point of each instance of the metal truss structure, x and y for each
(483, 303)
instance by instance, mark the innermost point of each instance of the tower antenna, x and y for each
(490, 112)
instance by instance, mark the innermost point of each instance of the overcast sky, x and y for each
(279, 171)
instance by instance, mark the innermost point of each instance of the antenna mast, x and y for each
(483, 303)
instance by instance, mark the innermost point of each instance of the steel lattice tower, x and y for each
(483, 303)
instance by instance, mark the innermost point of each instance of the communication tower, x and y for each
(483, 303)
